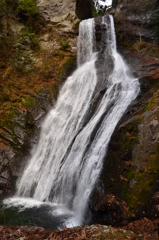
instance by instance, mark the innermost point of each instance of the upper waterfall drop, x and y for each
(69, 157)
(103, 3)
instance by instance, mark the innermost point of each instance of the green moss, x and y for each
(139, 181)
(6, 94)
(28, 32)
(119, 162)
(54, 90)
(14, 218)
(67, 65)
(28, 102)
(129, 138)
(148, 105)
(144, 181)
(154, 101)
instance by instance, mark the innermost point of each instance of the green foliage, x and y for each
(5, 94)
(139, 45)
(65, 68)
(64, 43)
(28, 101)
(29, 9)
(2, 7)
(28, 32)
(54, 90)
(148, 106)
(149, 48)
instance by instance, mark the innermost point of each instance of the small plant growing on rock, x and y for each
(64, 43)
(27, 32)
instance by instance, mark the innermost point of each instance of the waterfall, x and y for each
(103, 3)
(66, 163)
(62, 124)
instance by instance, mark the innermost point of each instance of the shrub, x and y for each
(29, 10)
(139, 45)
(149, 48)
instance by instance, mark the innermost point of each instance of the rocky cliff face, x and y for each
(136, 18)
(128, 186)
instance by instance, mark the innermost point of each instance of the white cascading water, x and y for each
(66, 164)
(103, 2)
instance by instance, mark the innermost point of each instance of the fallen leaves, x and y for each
(37, 233)
(145, 227)
(142, 229)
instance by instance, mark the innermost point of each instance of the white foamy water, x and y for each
(103, 3)
(67, 161)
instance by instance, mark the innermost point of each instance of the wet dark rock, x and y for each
(18, 142)
(111, 210)
(133, 18)
(115, 3)
(83, 9)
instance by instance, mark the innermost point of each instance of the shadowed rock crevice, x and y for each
(83, 9)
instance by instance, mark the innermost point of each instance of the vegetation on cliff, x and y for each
(28, 10)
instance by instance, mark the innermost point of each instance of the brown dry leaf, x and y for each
(83, 234)
(123, 178)
(51, 235)
(78, 237)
